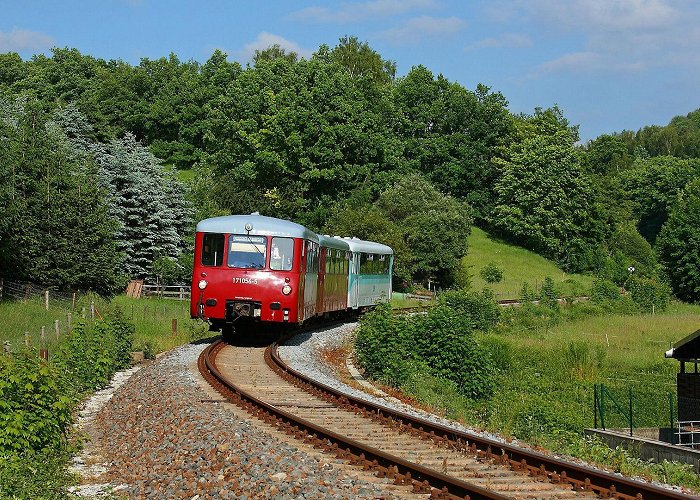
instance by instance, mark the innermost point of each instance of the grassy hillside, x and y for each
(518, 265)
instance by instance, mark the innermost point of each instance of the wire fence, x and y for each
(46, 315)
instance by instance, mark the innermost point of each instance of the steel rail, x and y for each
(423, 479)
(581, 477)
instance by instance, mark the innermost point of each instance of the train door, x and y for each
(322, 269)
(302, 282)
(354, 280)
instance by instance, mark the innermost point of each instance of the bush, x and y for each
(33, 412)
(445, 341)
(90, 355)
(527, 294)
(649, 294)
(604, 290)
(36, 475)
(442, 341)
(480, 307)
(491, 273)
(548, 294)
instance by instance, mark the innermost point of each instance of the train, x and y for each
(253, 269)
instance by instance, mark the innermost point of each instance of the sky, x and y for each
(608, 64)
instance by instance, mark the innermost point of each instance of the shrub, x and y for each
(527, 294)
(548, 294)
(90, 355)
(441, 342)
(381, 347)
(604, 290)
(649, 294)
(445, 341)
(491, 273)
(480, 307)
(36, 475)
(33, 412)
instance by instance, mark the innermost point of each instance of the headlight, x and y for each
(202, 284)
(286, 289)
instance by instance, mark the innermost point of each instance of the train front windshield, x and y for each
(246, 252)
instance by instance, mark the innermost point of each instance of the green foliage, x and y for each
(480, 307)
(34, 413)
(427, 229)
(679, 244)
(548, 294)
(544, 201)
(91, 354)
(527, 294)
(604, 291)
(54, 227)
(435, 227)
(652, 187)
(361, 61)
(40, 475)
(491, 273)
(390, 348)
(649, 294)
(592, 449)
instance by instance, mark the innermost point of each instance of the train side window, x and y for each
(312, 257)
(213, 249)
(281, 254)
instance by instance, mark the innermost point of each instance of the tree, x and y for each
(146, 200)
(679, 244)
(450, 134)
(652, 186)
(360, 60)
(435, 227)
(544, 201)
(274, 52)
(608, 154)
(55, 228)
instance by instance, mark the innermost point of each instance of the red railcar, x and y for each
(256, 268)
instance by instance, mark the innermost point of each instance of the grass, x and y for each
(399, 301)
(152, 318)
(518, 265)
(548, 361)
(556, 365)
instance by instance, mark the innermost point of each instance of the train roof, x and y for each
(333, 242)
(260, 226)
(357, 245)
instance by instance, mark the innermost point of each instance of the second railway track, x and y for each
(431, 458)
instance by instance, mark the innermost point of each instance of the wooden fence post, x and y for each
(92, 310)
(43, 336)
(83, 313)
(182, 293)
(174, 326)
(56, 328)
(26, 339)
(70, 322)
(46, 299)
(73, 306)
(2, 285)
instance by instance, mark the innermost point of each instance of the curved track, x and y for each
(431, 458)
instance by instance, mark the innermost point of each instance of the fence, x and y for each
(61, 310)
(609, 409)
(176, 292)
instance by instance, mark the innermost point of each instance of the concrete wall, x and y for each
(648, 448)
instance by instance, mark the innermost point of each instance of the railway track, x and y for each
(430, 458)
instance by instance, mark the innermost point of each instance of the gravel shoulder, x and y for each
(164, 434)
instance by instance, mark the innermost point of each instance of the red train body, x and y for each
(256, 268)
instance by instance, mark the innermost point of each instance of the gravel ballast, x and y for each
(302, 353)
(163, 436)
